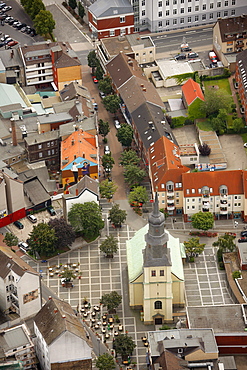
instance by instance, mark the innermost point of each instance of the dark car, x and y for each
(2, 44)
(242, 240)
(51, 210)
(11, 21)
(180, 56)
(192, 55)
(28, 29)
(185, 48)
(243, 233)
(19, 225)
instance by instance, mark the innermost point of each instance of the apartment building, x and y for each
(167, 15)
(241, 79)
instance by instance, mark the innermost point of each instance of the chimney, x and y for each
(14, 139)
(72, 142)
(74, 156)
(63, 316)
(144, 89)
(12, 54)
(55, 310)
(76, 192)
(50, 297)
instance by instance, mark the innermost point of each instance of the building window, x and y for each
(49, 152)
(197, 8)
(40, 146)
(167, 3)
(233, 12)
(52, 143)
(211, 5)
(162, 273)
(94, 20)
(225, 13)
(160, 14)
(174, 11)
(182, 1)
(211, 15)
(203, 17)
(193, 191)
(229, 50)
(174, 2)
(158, 305)
(181, 20)
(163, 201)
(160, 4)
(143, 12)
(187, 191)
(143, 21)
(218, 14)
(218, 4)
(153, 273)
(48, 144)
(233, 2)
(174, 21)
(112, 32)
(40, 155)
(226, 3)
(143, 3)
(182, 11)
(193, 207)
(204, 7)
(189, 9)
(122, 19)
(167, 22)
(167, 12)
(160, 24)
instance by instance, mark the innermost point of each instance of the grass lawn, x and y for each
(204, 125)
(223, 84)
(244, 137)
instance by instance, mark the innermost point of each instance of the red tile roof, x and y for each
(192, 91)
(214, 179)
(165, 163)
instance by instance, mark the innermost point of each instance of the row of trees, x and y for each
(43, 20)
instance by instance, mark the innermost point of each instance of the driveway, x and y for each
(232, 146)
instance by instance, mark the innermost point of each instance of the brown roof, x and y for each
(170, 361)
(55, 318)
(196, 180)
(9, 261)
(165, 163)
(232, 26)
(85, 183)
(122, 68)
(66, 61)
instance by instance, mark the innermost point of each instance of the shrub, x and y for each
(208, 234)
(236, 274)
(178, 121)
(204, 149)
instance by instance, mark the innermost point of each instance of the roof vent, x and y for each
(63, 316)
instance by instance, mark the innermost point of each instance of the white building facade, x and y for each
(167, 15)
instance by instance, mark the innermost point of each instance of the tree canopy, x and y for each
(105, 362)
(116, 215)
(237, 124)
(43, 240)
(124, 344)
(81, 10)
(133, 175)
(193, 247)
(125, 134)
(129, 157)
(10, 239)
(64, 232)
(111, 300)
(109, 246)
(104, 128)
(138, 194)
(203, 220)
(107, 161)
(92, 60)
(111, 103)
(73, 4)
(86, 218)
(225, 243)
(36, 7)
(214, 101)
(68, 275)
(107, 189)
(44, 23)
(105, 85)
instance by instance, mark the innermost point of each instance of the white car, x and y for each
(23, 246)
(245, 145)
(107, 149)
(117, 124)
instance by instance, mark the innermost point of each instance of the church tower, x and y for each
(157, 278)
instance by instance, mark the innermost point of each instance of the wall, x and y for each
(15, 194)
(136, 293)
(104, 25)
(68, 74)
(29, 282)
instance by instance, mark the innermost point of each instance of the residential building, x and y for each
(168, 15)
(241, 80)
(155, 270)
(191, 91)
(79, 148)
(13, 103)
(61, 340)
(19, 285)
(229, 38)
(12, 69)
(50, 64)
(86, 190)
(194, 346)
(49, 122)
(16, 345)
(165, 171)
(114, 19)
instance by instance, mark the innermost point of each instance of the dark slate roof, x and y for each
(42, 138)
(66, 61)
(232, 26)
(104, 8)
(33, 188)
(9, 261)
(57, 317)
(86, 183)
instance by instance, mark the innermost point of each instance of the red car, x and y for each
(12, 43)
(94, 79)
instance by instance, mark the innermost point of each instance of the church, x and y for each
(155, 270)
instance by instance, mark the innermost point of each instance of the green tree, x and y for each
(44, 23)
(73, 4)
(64, 232)
(68, 275)
(105, 85)
(92, 60)
(193, 247)
(86, 218)
(194, 110)
(117, 216)
(129, 157)
(10, 239)
(104, 128)
(219, 123)
(42, 240)
(225, 243)
(107, 161)
(99, 73)
(107, 189)
(81, 10)
(138, 195)
(36, 7)
(111, 300)
(124, 345)
(109, 246)
(125, 134)
(214, 101)
(27, 5)
(237, 124)
(111, 103)
(105, 362)
(203, 220)
(133, 175)
(204, 149)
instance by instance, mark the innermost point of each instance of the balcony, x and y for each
(170, 201)
(14, 297)
(223, 210)
(170, 207)
(38, 68)
(205, 195)
(170, 193)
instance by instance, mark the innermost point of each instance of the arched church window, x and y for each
(157, 305)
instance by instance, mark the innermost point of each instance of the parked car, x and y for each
(4, 38)
(107, 149)
(23, 246)
(185, 47)
(9, 39)
(94, 79)
(11, 21)
(2, 44)
(192, 55)
(12, 43)
(7, 8)
(102, 95)
(242, 110)
(18, 224)
(245, 145)
(242, 240)
(32, 218)
(51, 210)
(180, 56)
(117, 124)
(213, 57)
(243, 233)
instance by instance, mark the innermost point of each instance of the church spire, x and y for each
(156, 210)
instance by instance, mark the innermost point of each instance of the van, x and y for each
(213, 57)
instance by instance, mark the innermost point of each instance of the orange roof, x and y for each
(80, 144)
(191, 91)
(165, 163)
(213, 179)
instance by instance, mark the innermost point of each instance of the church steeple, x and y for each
(156, 252)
